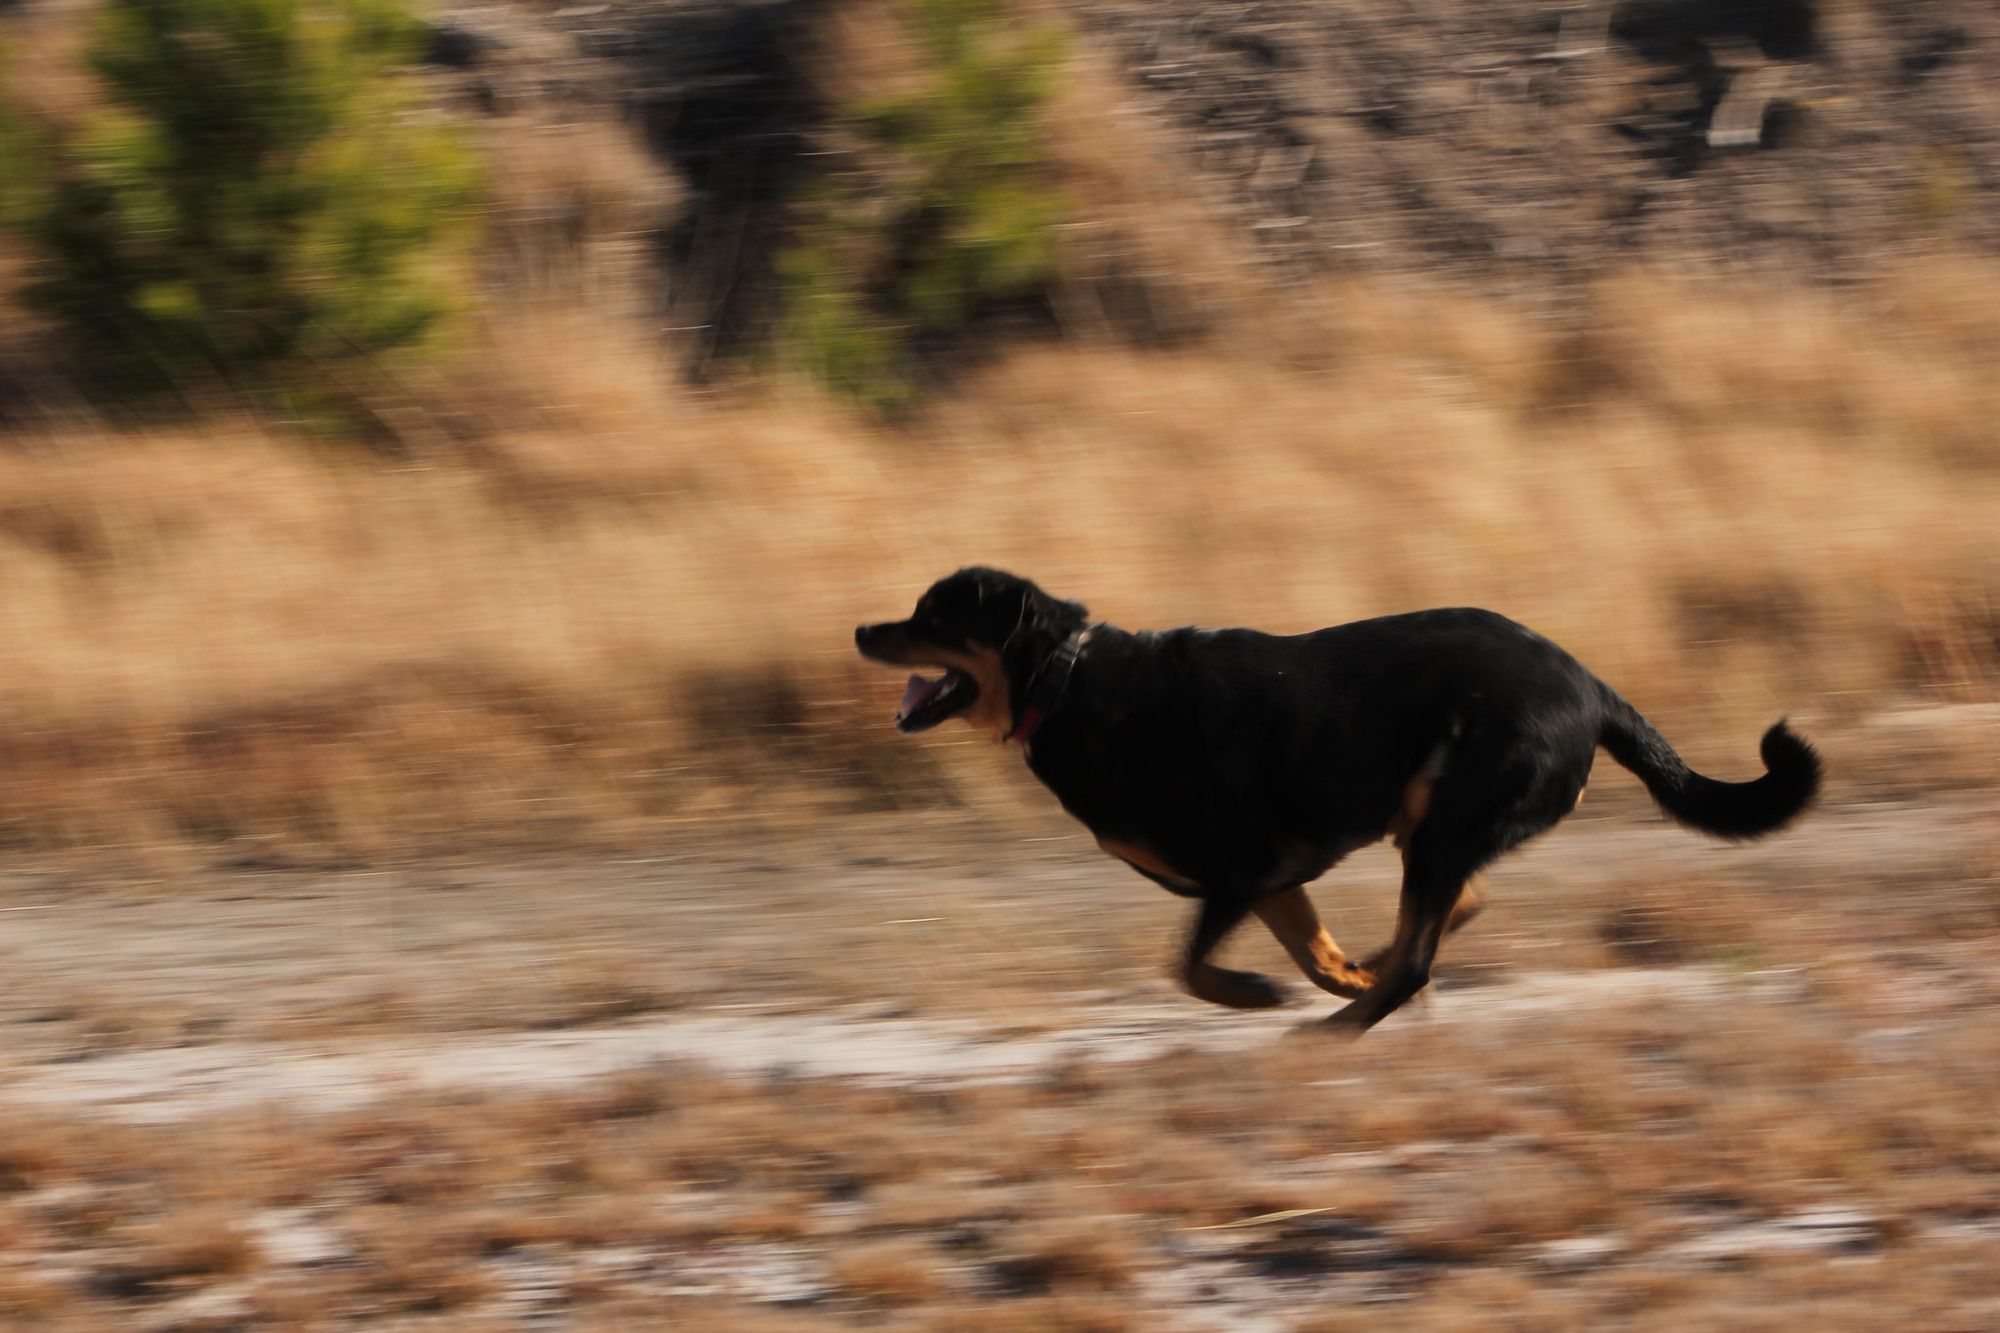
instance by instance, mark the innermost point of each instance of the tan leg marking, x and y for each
(1416, 804)
(1143, 858)
(1290, 916)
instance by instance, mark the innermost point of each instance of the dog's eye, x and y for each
(932, 626)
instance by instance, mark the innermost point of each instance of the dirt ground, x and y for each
(927, 1071)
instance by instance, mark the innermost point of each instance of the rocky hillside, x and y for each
(1517, 147)
(1517, 144)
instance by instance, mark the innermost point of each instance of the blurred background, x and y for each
(511, 405)
(444, 449)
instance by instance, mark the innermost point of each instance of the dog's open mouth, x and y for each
(929, 702)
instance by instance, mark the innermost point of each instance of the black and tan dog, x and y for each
(1236, 767)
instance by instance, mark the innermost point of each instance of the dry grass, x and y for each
(1082, 1254)
(892, 1272)
(634, 602)
(595, 600)
(576, 205)
(1453, 1221)
(1586, 1164)
(202, 1242)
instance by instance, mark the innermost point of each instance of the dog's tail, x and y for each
(1724, 809)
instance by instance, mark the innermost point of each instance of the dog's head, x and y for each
(989, 631)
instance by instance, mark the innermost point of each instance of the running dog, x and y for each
(1235, 767)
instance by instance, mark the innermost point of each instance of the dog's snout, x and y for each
(874, 640)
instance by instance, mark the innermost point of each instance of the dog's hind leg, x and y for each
(1217, 916)
(1471, 898)
(1431, 885)
(1471, 902)
(1289, 914)
(1496, 796)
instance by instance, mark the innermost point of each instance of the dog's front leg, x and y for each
(1289, 914)
(1219, 914)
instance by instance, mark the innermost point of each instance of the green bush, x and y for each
(23, 157)
(16, 157)
(256, 204)
(950, 215)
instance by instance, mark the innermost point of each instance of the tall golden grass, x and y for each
(634, 601)
(592, 598)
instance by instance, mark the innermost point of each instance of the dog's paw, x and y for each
(1351, 982)
(1331, 1028)
(1237, 990)
(1312, 1029)
(1348, 1022)
(1260, 992)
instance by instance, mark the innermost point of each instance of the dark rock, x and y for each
(455, 46)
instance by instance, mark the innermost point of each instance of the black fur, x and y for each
(1251, 762)
(1739, 810)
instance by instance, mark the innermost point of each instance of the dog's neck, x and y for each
(1045, 688)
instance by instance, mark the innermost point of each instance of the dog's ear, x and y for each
(1053, 615)
(1012, 611)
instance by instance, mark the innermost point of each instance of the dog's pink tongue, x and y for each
(918, 693)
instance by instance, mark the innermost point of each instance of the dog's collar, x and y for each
(1031, 718)
(1046, 687)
